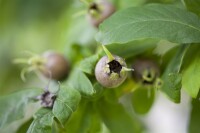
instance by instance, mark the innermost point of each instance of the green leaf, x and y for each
(191, 79)
(42, 122)
(66, 103)
(99, 91)
(116, 119)
(85, 120)
(127, 3)
(88, 65)
(132, 48)
(142, 99)
(172, 86)
(79, 81)
(171, 76)
(75, 53)
(151, 21)
(13, 105)
(193, 5)
(194, 117)
(164, 47)
(79, 31)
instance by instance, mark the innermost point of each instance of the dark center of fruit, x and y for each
(115, 66)
(149, 75)
(94, 6)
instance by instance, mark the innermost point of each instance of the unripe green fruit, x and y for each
(55, 66)
(145, 71)
(98, 12)
(110, 74)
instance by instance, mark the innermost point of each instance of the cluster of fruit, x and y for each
(110, 71)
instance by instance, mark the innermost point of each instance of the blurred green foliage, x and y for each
(41, 25)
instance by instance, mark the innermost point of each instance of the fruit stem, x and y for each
(110, 56)
(127, 69)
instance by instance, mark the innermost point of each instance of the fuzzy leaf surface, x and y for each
(88, 64)
(13, 105)
(79, 81)
(42, 123)
(155, 21)
(66, 103)
(172, 77)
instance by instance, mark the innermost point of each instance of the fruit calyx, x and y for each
(115, 66)
(47, 99)
(94, 10)
(94, 6)
(148, 76)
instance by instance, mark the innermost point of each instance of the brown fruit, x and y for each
(145, 71)
(102, 10)
(55, 66)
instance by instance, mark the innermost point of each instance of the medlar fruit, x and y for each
(55, 66)
(111, 74)
(145, 71)
(50, 64)
(98, 12)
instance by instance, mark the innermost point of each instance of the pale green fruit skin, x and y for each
(103, 76)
